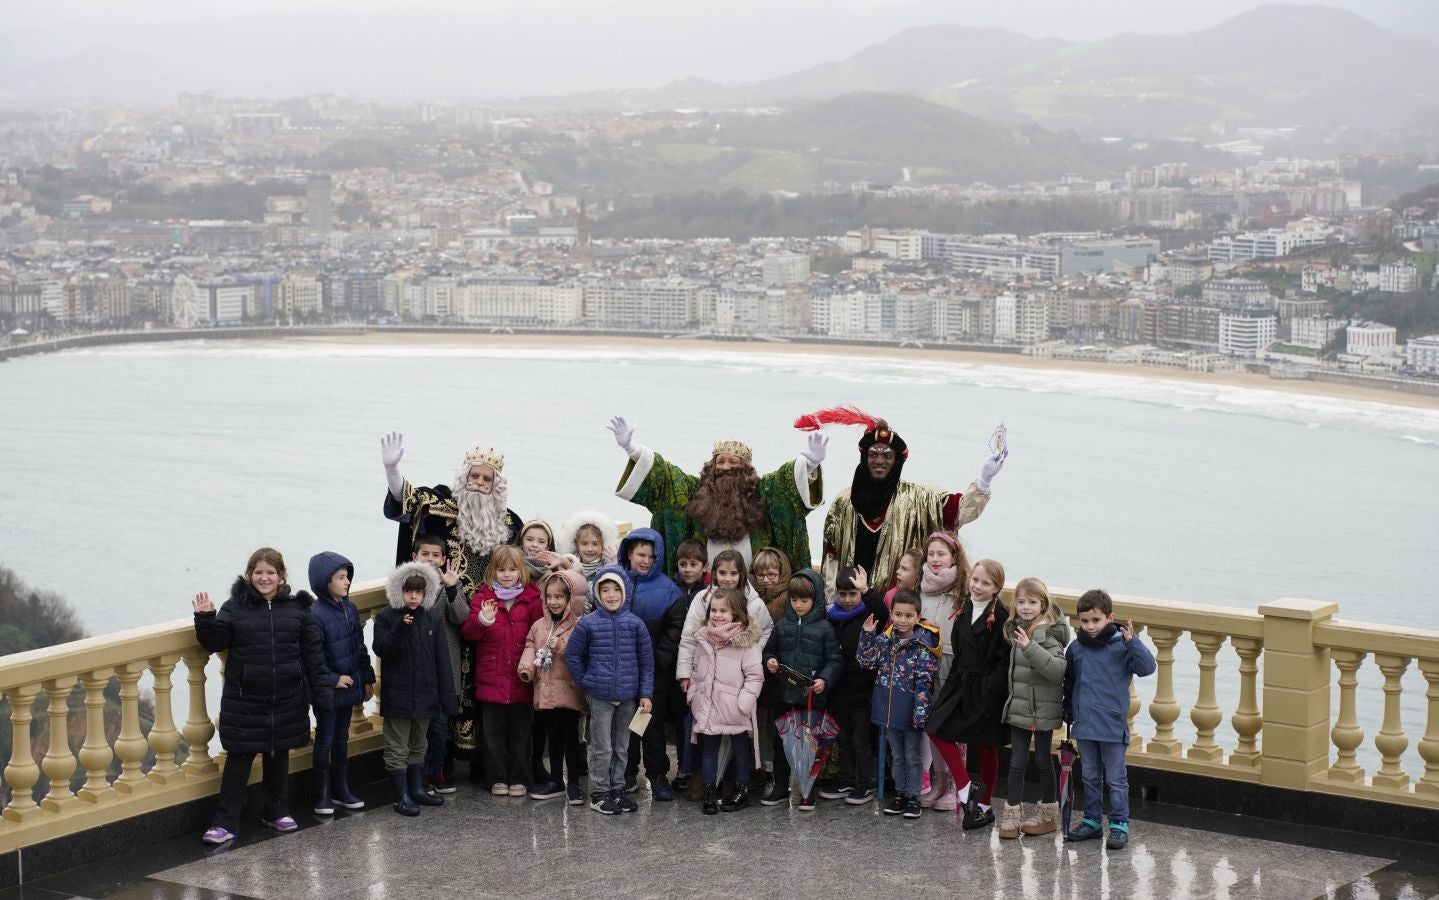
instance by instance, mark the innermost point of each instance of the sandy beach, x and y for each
(967, 357)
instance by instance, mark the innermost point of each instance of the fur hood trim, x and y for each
(609, 532)
(394, 585)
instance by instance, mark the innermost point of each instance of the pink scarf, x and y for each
(941, 582)
(719, 635)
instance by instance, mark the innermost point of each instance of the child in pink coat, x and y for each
(559, 702)
(728, 673)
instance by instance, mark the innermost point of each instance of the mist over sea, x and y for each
(135, 476)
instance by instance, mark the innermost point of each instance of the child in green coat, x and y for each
(1037, 635)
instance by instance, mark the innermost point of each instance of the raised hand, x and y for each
(1127, 629)
(408, 618)
(487, 611)
(991, 468)
(870, 624)
(202, 603)
(814, 450)
(392, 449)
(624, 435)
(1021, 637)
(450, 573)
(861, 579)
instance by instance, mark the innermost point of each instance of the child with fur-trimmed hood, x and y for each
(410, 640)
(587, 542)
(558, 702)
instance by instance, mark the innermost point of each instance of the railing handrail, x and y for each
(1343, 634)
(1201, 617)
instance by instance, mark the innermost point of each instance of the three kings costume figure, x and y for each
(471, 516)
(876, 519)
(728, 506)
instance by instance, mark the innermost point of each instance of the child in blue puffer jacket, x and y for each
(611, 659)
(349, 663)
(906, 658)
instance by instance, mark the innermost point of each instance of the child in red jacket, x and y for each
(501, 613)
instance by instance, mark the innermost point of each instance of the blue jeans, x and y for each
(609, 742)
(906, 746)
(438, 743)
(1104, 761)
(740, 757)
(332, 736)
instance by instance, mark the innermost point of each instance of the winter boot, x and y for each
(949, 800)
(323, 805)
(419, 791)
(711, 800)
(696, 789)
(403, 804)
(1009, 819)
(1044, 820)
(738, 800)
(938, 787)
(340, 787)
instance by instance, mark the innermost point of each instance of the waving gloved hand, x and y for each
(991, 468)
(624, 436)
(392, 450)
(814, 451)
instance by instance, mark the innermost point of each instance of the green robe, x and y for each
(665, 490)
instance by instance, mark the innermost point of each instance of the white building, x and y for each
(786, 268)
(898, 244)
(1247, 334)
(299, 295)
(1016, 258)
(1020, 320)
(1270, 244)
(1107, 254)
(1371, 339)
(1422, 354)
(645, 305)
(219, 303)
(1237, 292)
(950, 318)
(1398, 278)
(1314, 332)
(441, 295)
(519, 301)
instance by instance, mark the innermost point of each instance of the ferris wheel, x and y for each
(182, 302)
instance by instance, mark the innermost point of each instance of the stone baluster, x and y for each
(95, 753)
(1136, 744)
(1246, 720)
(22, 773)
(198, 728)
(360, 723)
(1346, 733)
(130, 743)
(1206, 714)
(1164, 708)
(1391, 741)
(59, 762)
(1429, 744)
(164, 737)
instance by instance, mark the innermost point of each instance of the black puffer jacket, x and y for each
(414, 658)
(275, 669)
(806, 643)
(856, 685)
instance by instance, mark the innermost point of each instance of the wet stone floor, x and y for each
(483, 846)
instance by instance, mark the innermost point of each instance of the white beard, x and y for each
(480, 518)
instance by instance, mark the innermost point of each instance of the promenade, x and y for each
(481, 846)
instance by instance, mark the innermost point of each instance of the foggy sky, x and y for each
(490, 48)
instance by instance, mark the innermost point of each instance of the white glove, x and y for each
(392, 450)
(990, 469)
(624, 436)
(814, 452)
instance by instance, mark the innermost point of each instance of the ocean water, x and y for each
(132, 477)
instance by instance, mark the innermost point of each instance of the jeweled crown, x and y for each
(734, 448)
(487, 456)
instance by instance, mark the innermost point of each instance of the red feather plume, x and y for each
(836, 415)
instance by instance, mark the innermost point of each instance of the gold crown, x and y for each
(488, 456)
(734, 448)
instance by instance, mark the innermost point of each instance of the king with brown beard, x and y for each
(728, 506)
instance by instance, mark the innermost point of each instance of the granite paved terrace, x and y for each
(483, 846)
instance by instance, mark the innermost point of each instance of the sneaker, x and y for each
(1118, 835)
(576, 795)
(840, 792)
(442, 785)
(1086, 830)
(500, 790)
(548, 791)
(627, 803)
(603, 802)
(806, 803)
(911, 807)
(858, 796)
(284, 824)
(216, 836)
(660, 789)
(631, 785)
(775, 797)
(681, 782)
(895, 806)
(518, 790)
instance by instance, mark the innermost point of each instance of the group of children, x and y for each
(591, 650)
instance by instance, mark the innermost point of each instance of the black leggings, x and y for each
(561, 727)
(1019, 761)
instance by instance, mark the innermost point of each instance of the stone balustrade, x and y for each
(1283, 732)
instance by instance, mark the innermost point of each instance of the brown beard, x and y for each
(727, 505)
